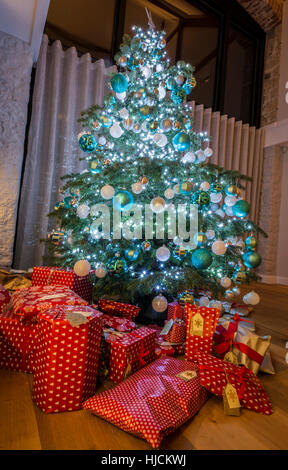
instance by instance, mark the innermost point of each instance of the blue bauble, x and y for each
(123, 200)
(186, 188)
(178, 95)
(251, 259)
(119, 83)
(170, 83)
(131, 253)
(201, 198)
(187, 88)
(200, 239)
(241, 208)
(201, 258)
(251, 243)
(231, 190)
(181, 141)
(106, 121)
(116, 266)
(95, 167)
(87, 143)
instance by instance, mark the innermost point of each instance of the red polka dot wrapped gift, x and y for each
(201, 323)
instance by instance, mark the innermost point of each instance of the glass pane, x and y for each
(239, 75)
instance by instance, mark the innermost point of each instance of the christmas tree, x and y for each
(145, 165)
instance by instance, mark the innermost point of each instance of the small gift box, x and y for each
(66, 365)
(242, 310)
(18, 342)
(118, 323)
(5, 299)
(174, 331)
(44, 276)
(111, 307)
(28, 303)
(216, 374)
(201, 324)
(130, 351)
(176, 311)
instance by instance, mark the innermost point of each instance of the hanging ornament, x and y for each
(131, 253)
(252, 298)
(216, 187)
(169, 193)
(176, 188)
(204, 301)
(188, 124)
(158, 204)
(163, 253)
(82, 268)
(230, 201)
(95, 167)
(180, 79)
(200, 156)
(229, 294)
(239, 275)
(236, 291)
(252, 259)
(166, 125)
(159, 303)
(105, 120)
(178, 95)
(210, 234)
(116, 131)
(145, 111)
(219, 248)
(128, 124)
(152, 126)
(186, 188)
(170, 83)
(189, 157)
(231, 190)
(241, 208)
(119, 83)
(100, 271)
(177, 125)
(200, 239)
(137, 188)
(136, 128)
(56, 237)
(205, 186)
(144, 180)
(122, 61)
(201, 258)
(215, 197)
(161, 92)
(225, 282)
(123, 200)
(180, 252)
(124, 113)
(83, 211)
(251, 243)
(201, 198)
(160, 140)
(208, 152)
(146, 71)
(146, 245)
(181, 141)
(116, 266)
(87, 143)
(107, 191)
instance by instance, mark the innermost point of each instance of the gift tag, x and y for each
(231, 357)
(76, 318)
(197, 325)
(167, 327)
(187, 375)
(231, 401)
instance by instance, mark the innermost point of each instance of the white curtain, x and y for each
(64, 85)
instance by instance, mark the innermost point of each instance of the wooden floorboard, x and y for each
(23, 426)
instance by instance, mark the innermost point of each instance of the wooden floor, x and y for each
(24, 426)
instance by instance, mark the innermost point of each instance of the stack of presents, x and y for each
(71, 346)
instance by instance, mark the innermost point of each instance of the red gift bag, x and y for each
(201, 324)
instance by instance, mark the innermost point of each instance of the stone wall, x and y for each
(263, 13)
(15, 75)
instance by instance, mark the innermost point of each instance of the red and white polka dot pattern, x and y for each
(66, 364)
(202, 343)
(176, 311)
(110, 307)
(136, 349)
(18, 343)
(177, 333)
(29, 302)
(214, 373)
(153, 402)
(5, 299)
(44, 275)
(118, 323)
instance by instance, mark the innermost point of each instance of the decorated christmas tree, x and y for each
(129, 215)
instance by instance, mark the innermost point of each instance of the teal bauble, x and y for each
(187, 87)
(132, 63)
(251, 259)
(58, 205)
(116, 266)
(239, 275)
(188, 124)
(186, 188)
(123, 200)
(201, 258)
(241, 208)
(146, 246)
(119, 83)
(231, 190)
(178, 95)
(87, 143)
(170, 83)
(105, 120)
(67, 202)
(95, 167)
(216, 187)
(181, 141)
(251, 243)
(131, 253)
(201, 198)
(200, 239)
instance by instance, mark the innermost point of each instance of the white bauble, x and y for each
(205, 186)
(82, 268)
(204, 301)
(208, 152)
(83, 211)
(210, 234)
(215, 197)
(161, 92)
(102, 140)
(160, 140)
(146, 71)
(230, 200)
(158, 204)
(116, 131)
(176, 189)
(218, 247)
(252, 298)
(159, 303)
(121, 96)
(163, 253)
(225, 282)
(137, 188)
(229, 211)
(220, 213)
(124, 113)
(169, 193)
(144, 126)
(100, 271)
(107, 191)
(213, 206)
(201, 157)
(189, 157)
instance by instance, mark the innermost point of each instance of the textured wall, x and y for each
(15, 74)
(263, 12)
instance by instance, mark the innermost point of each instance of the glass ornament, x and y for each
(124, 113)
(159, 304)
(166, 125)
(252, 298)
(145, 111)
(186, 188)
(119, 83)
(189, 157)
(185, 297)
(200, 239)
(204, 301)
(180, 252)
(87, 143)
(241, 208)
(205, 186)
(225, 282)
(210, 234)
(95, 167)
(128, 124)
(146, 245)
(163, 253)
(229, 294)
(216, 188)
(236, 291)
(116, 131)
(201, 258)
(131, 253)
(160, 140)
(123, 200)
(201, 157)
(82, 268)
(239, 275)
(178, 95)
(181, 141)
(158, 204)
(231, 190)
(83, 211)
(100, 271)
(252, 259)
(230, 200)
(201, 198)
(169, 193)
(105, 120)
(170, 83)
(208, 152)
(116, 266)
(161, 92)
(215, 197)
(137, 188)
(107, 191)
(251, 243)
(219, 248)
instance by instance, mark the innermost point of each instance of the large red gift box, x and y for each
(18, 342)
(216, 373)
(5, 299)
(130, 351)
(111, 307)
(201, 324)
(66, 365)
(44, 276)
(154, 401)
(29, 302)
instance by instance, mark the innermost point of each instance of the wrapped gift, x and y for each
(110, 307)
(242, 310)
(174, 331)
(28, 303)
(201, 324)
(44, 276)
(5, 299)
(216, 374)
(66, 365)
(18, 342)
(154, 401)
(118, 323)
(130, 351)
(164, 350)
(176, 311)
(225, 332)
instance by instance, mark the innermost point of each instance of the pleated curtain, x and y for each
(65, 84)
